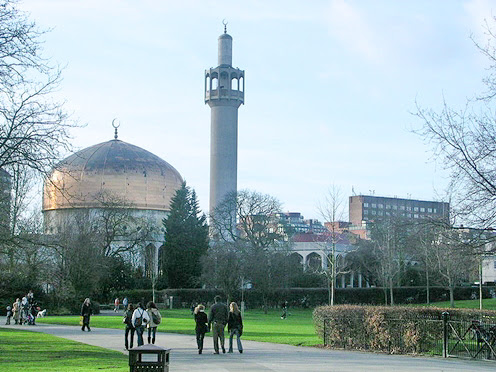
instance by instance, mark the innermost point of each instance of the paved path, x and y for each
(261, 356)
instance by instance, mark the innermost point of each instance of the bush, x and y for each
(395, 329)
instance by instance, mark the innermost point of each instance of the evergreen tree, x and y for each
(186, 240)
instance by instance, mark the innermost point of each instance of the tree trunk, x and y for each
(391, 290)
(427, 284)
(452, 296)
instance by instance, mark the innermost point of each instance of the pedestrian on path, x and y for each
(9, 315)
(155, 319)
(125, 302)
(86, 313)
(235, 326)
(217, 320)
(127, 320)
(201, 327)
(139, 319)
(16, 309)
(116, 305)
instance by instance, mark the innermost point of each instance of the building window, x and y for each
(422, 209)
(388, 206)
(409, 215)
(429, 210)
(415, 215)
(402, 207)
(395, 207)
(380, 206)
(380, 213)
(374, 205)
(365, 205)
(366, 211)
(374, 212)
(388, 213)
(415, 209)
(435, 210)
(408, 208)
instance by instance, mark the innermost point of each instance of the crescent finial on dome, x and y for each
(115, 127)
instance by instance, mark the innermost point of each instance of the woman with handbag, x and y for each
(201, 327)
(86, 312)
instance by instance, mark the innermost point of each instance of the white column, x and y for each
(352, 279)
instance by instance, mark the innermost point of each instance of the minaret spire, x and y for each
(224, 93)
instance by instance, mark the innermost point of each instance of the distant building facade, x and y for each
(364, 208)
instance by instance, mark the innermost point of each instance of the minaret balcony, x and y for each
(224, 94)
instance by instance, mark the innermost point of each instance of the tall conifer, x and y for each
(186, 240)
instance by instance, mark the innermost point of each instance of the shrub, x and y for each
(395, 329)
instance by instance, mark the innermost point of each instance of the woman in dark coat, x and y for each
(86, 314)
(127, 320)
(201, 328)
(234, 326)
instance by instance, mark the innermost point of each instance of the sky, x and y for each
(331, 87)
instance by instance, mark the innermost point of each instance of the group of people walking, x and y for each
(23, 311)
(217, 319)
(136, 319)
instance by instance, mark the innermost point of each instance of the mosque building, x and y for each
(121, 173)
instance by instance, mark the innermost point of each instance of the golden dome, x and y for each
(125, 171)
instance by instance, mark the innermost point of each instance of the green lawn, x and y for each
(31, 351)
(297, 329)
(487, 304)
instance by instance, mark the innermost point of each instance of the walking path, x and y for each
(261, 356)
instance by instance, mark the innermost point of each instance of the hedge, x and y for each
(303, 297)
(396, 329)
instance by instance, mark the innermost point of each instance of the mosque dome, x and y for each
(129, 172)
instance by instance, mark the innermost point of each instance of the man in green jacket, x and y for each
(218, 316)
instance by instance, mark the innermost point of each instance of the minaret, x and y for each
(224, 93)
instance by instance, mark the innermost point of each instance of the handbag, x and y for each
(81, 320)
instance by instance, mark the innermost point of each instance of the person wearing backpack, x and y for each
(155, 319)
(139, 319)
(127, 320)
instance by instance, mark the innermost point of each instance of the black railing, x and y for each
(441, 336)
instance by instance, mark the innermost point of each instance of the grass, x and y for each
(31, 351)
(487, 304)
(297, 329)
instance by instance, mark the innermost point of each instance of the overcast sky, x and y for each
(329, 93)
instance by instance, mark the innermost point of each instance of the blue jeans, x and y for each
(139, 334)
(236, 332)
(129, 329)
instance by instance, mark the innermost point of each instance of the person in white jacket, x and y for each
(155, 319)
(139, 320)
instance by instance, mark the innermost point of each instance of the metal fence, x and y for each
(474, 339)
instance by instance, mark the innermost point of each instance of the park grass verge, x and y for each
(487, 304)
(298, 329)
(22, 350)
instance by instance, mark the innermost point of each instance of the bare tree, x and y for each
(332, 211)
(255, 230)
(463, 140)
(33, 128)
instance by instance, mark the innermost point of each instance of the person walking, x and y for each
(217, 320)
(201, 327)
(234, 326)
(9, 315)
(127, 320)
(16, 309)
(116, 305)
(139, 319)
(155, 319)
(86, 312)
(24, 310)
(125, 302)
